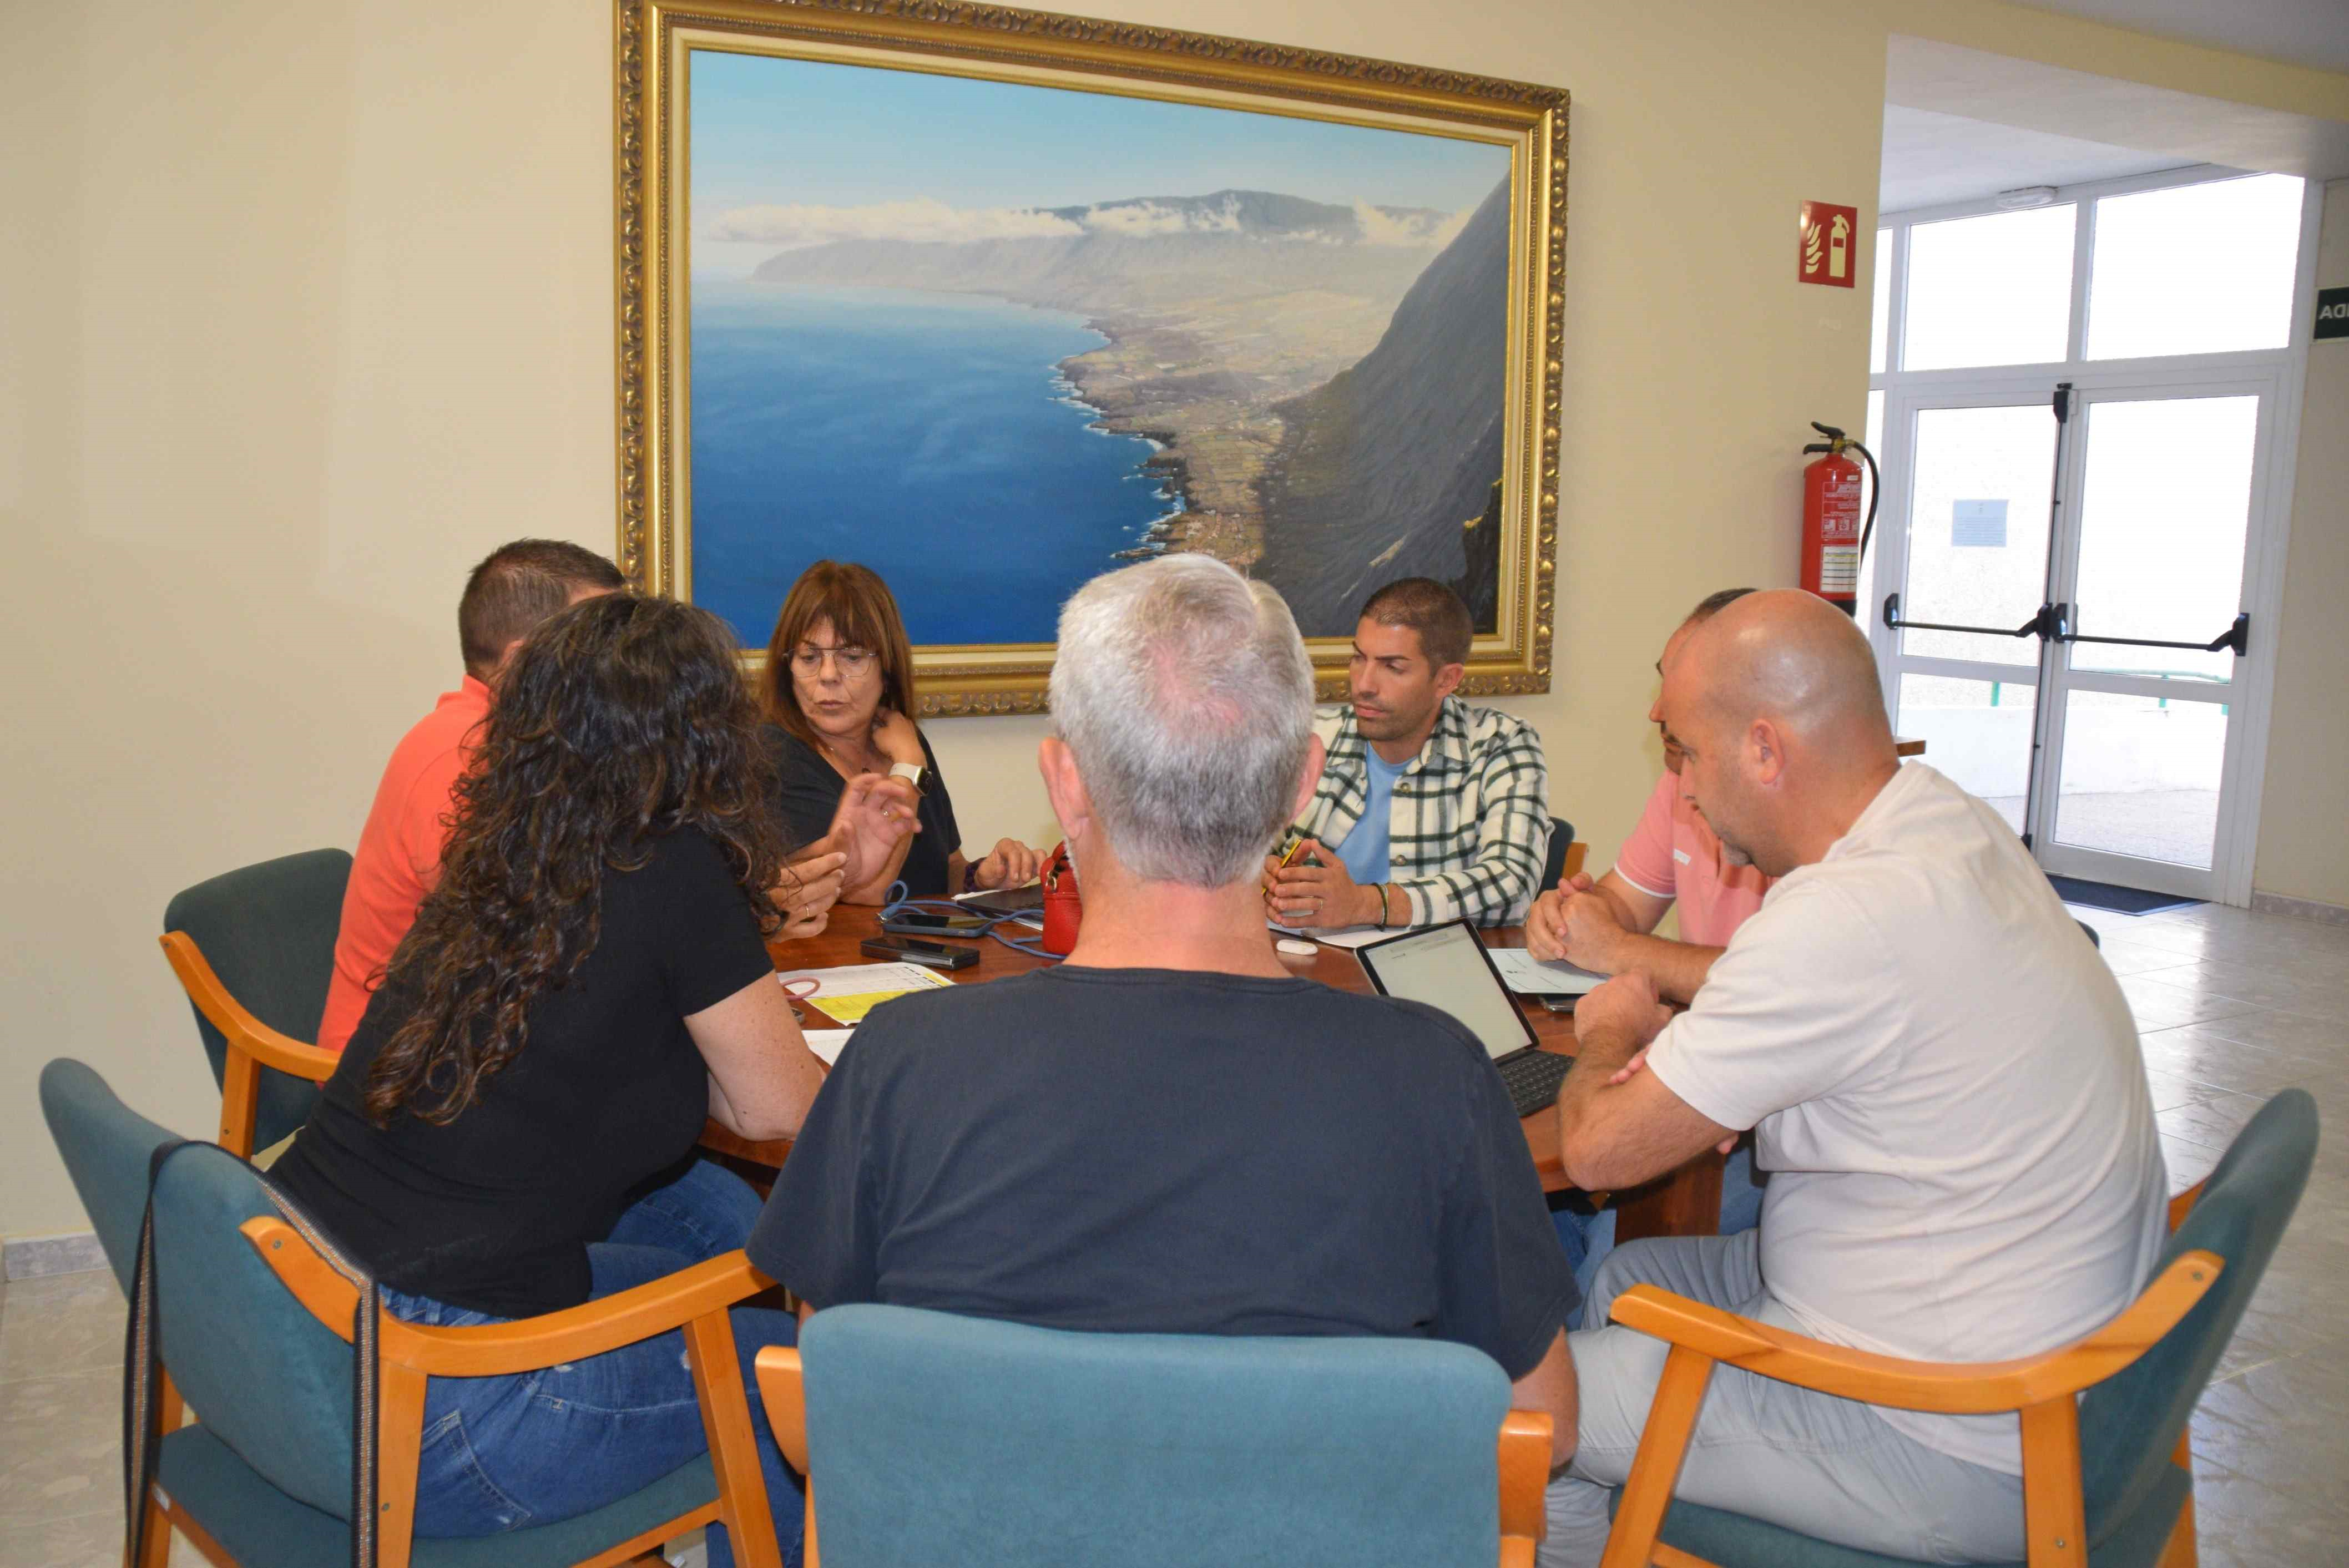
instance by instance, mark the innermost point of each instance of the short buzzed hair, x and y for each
(1185, 695)
(518, 585)
(1714, 603)
(1444, 626)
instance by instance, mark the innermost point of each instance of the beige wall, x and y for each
(2304, 808)
(306, 306)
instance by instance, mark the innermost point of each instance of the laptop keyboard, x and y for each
(1532, 1078)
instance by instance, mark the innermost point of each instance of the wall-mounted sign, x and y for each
(2332, 313)
(1829, 252)
(1978, 524)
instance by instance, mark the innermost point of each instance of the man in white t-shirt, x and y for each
(1944, 1084)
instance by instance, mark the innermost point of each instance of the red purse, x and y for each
(1063, 910)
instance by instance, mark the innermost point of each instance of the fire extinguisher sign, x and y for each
(1830, 245)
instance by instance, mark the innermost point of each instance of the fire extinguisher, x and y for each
(1833, 539)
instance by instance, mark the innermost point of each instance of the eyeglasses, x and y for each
(808, 661)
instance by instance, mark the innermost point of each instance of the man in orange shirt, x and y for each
(398, 856)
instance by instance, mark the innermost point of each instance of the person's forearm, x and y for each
(1679, 968)
(1598, 1054)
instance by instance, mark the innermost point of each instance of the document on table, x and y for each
(1530, 976)
(847, 994)
(826, 1044)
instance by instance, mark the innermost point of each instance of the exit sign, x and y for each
(2332, 313)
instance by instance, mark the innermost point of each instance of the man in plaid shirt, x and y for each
(1431, 810)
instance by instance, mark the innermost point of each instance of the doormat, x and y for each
(2119, 899)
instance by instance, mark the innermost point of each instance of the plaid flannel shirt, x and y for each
(1469, 822)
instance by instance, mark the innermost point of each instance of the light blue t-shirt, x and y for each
(1364, 850)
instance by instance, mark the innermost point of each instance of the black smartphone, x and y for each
(918, 923)
(937, 955)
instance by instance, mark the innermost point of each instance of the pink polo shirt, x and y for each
(1673, 854)
(398, 857)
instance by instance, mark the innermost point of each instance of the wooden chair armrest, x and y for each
(2183, 1206)
(1525, 1473)
(1946, 1387)
(486, 1350)
(785, 1396)
(245, 1033)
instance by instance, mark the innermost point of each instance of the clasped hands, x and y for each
(1317, 893)
(1575, 922)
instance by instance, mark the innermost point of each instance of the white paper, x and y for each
(1531, 976)
(849, 992)
(1342, 937)
(826, 1044)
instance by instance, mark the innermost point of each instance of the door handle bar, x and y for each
(2237, 637)
(2047, 624)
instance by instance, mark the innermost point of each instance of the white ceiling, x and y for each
(2302, 32)
(1931, 158)
(1963, 123)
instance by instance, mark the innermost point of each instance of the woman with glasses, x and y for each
(840, 700)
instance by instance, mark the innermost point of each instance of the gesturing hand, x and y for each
(1009, 864)
(807, 892)
(875, 815)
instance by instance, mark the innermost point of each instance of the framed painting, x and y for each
(993, 301)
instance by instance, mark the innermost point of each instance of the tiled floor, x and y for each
(2233, 1006)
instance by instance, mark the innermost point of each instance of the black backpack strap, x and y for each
(142, 1367)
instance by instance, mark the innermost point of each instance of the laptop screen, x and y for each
(1445, 968)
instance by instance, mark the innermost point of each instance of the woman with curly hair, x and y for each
(512, 1129)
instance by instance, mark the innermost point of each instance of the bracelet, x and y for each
(970, 876)
(1382, 907)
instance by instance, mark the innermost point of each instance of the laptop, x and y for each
(1447, 967)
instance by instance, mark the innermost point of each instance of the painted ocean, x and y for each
(920, 434)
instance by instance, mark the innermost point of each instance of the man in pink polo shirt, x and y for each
(398, 856)
(1671, 856)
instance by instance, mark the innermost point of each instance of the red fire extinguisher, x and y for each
(1833, 536)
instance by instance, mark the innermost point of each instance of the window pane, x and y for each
(1878, 329)
(1994, 290)
(1977, 733)
(2141, 775)
(2195, 269)
(1974, 468)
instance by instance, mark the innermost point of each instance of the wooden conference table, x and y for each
(1686, 1204)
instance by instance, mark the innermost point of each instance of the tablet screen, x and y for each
(1445, 966)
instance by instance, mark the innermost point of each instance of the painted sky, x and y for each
(770, 132)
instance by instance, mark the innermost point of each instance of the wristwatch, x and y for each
(911, 772)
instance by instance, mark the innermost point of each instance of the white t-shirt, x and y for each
(1945, 1085)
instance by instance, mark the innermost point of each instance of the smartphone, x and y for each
(920, 924)
(937, 955)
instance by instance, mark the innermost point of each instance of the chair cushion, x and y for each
(947, 1441)
(1734, 1540)
(262, 1528)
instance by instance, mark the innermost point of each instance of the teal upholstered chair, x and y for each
(948, 1441)
(263, 1480)
(2106, 1479)
(255, 949)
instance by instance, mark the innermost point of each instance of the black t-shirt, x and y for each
(810, 794)
(1146, 1150)
(495, 1211)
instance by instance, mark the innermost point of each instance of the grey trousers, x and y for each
(1823, 1466)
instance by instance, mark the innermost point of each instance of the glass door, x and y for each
(2155, 640)
(1962, 671)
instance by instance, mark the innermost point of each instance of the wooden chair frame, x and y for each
(251, 1044)
(1524, 1444)
(695, 1300)
(2041, 1389)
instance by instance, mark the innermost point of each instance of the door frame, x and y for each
(2250, 702)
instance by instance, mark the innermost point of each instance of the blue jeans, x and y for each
(1589, 1238)
(532, 1447)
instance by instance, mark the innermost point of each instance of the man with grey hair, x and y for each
(1170, 1132)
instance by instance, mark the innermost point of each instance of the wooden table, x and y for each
(1686, 1204)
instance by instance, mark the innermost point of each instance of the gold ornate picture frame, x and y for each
(994, 299)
